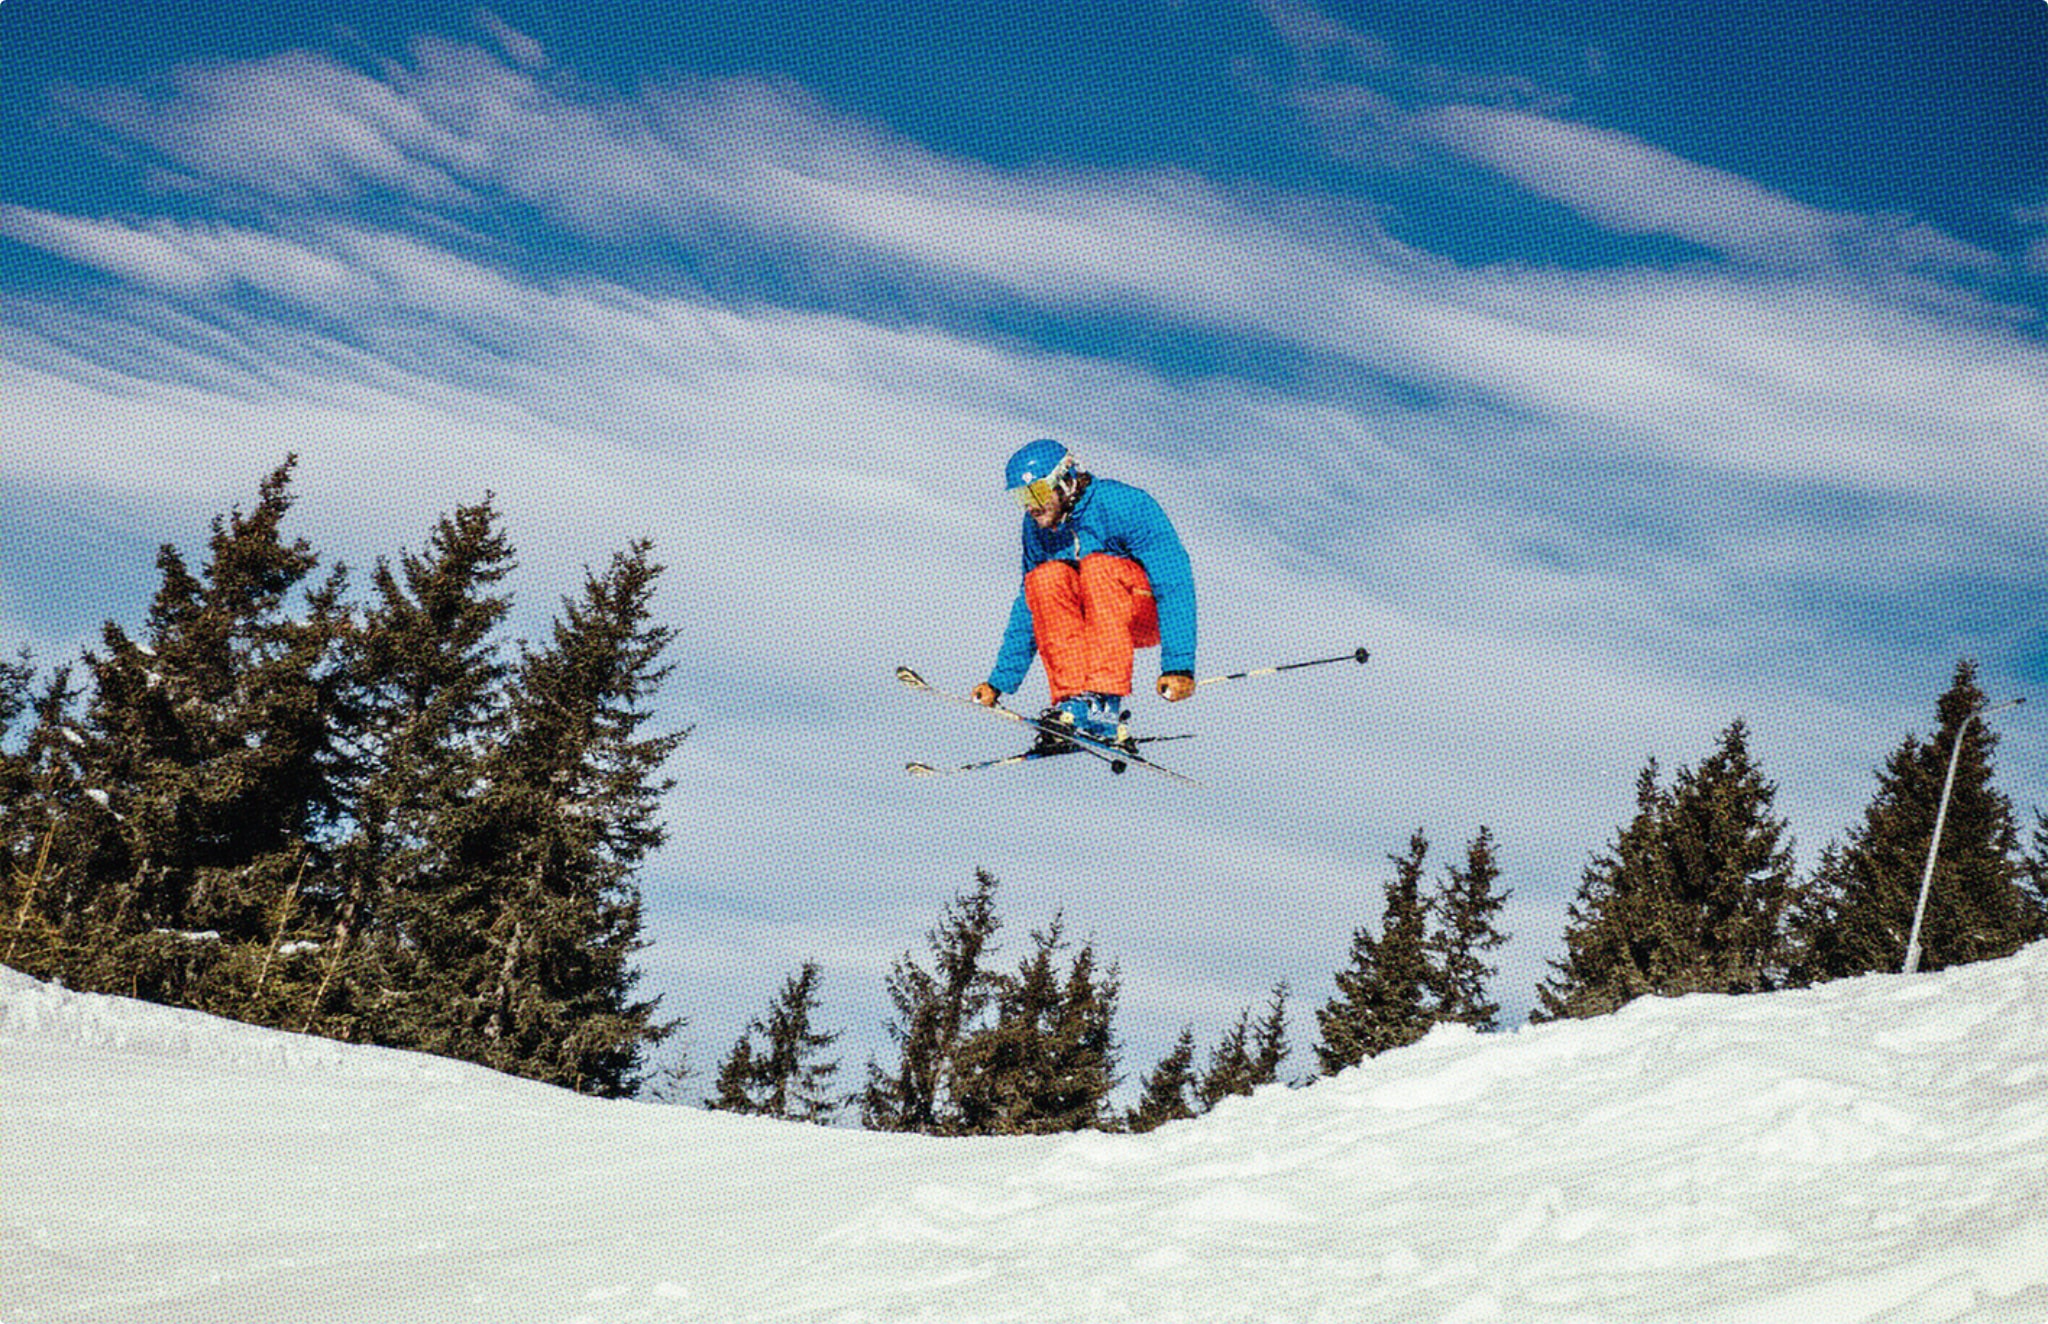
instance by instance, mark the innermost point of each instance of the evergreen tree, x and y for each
(1269, 1039)
(786, 1077)
(1248, 1055)
(2035, 883)
(62, 846)
(1603, 963)
(1167, 1092)
(797, 1080)
(1230, 1069)
(1048, 1063)
(15, 680)
(569, 813)
(21, 812)
(28, 827)
(934, 1009)
(455, 839)
(430, 689)
(738, 1079)
(1733, 874)
(1466, 907)
(1692, 897)
(215, 740)
(1382, 996)
(1857, 913)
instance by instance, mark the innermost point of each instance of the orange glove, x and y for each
(1175, 686)
(986, 694)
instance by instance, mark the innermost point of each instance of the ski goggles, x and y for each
(1039, 492)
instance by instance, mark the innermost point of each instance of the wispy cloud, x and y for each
(1831, 386)
(1633, 187)
(1369, 101)
(191, 259)
(2033, 222)
(1642, 357)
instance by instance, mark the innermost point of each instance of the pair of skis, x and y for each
(1118, 756)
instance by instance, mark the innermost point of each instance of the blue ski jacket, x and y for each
(1121, 520)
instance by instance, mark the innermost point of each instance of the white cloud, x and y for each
(127, 252)
(2035, 220)
(1632, 187)
(1635, 355)
(519, 48)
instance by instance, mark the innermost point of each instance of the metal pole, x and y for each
(1355, 655)
(1912, 962)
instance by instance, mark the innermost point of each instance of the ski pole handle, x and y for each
(1356, 655)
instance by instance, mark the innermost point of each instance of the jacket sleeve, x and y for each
(1019, 647)
(1152, 540)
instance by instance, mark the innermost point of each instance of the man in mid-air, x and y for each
(1104, 574)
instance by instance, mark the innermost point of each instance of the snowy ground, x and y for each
(1873, 1150)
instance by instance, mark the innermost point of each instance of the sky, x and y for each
(1864, 1152)
(1611, 372)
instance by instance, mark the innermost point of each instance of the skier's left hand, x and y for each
(1175, 686)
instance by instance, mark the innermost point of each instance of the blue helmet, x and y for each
(1035, 469)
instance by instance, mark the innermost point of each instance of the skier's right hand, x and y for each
(986, 694)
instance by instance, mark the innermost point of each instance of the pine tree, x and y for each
(1076, 1093)
(1692, 896)
(2034, 884)
(1269, 1039)
(28, 828)
(215, 740)
(455, 839)
(786, 1077)
(569, 814)
(1342, 1018)
(15, 680)
(1166, 1093)
(1230, 1070)
(1248, 1055)
(21, 811)
(1466, 907)
(1048, 1063)
(430, 689)
(1734, 873)
(797, 1079)
(738, 1079)
(63, 847)
(934, 1009)
(1382, 996)
(1603, 963)
(1857, 913)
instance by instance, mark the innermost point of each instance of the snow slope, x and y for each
(1872, 1150)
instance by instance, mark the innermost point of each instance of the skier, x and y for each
(1104, 574)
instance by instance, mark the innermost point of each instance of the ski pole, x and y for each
(1356, 655)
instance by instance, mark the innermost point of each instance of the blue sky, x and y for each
(1610, 371)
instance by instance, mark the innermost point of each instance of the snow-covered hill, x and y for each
(1872, 1150)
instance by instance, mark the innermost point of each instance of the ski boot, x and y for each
(1100, 717)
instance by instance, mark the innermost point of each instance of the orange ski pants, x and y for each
(1087, 619)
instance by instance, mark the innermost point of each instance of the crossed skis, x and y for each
(1118, 756)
